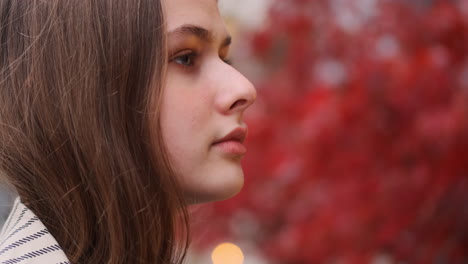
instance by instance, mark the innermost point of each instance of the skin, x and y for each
(204, 100)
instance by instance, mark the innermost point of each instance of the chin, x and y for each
(217, 187)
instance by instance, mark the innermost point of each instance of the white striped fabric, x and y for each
(25, 240)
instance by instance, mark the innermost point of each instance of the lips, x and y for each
(232, 143)
(239, 134)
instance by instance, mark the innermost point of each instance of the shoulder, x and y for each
(24, 239)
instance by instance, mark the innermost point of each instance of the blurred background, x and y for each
(358, 142)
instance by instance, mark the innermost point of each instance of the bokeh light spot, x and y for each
(227, 253)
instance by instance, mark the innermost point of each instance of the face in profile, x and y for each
(204, 102)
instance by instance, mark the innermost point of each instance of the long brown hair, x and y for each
(80, 89)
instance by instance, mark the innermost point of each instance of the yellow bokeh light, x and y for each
(227, 253)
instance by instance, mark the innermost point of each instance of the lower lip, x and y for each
(231, 147)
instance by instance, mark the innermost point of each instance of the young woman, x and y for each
(114, 116)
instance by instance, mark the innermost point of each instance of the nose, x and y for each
(236, 92)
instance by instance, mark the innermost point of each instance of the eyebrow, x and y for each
(201, 33)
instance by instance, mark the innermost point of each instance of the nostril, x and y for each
(238, 103)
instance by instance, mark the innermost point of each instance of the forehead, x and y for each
(203, 13)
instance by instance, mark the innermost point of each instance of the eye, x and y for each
(186, 59)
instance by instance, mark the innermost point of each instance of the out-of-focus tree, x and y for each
(358, 143)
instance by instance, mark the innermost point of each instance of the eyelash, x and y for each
(191, 57)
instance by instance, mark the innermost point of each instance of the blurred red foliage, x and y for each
(358, 144)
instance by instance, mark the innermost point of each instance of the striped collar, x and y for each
(25, 240)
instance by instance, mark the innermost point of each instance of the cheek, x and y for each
(185, 118)
(182, 112)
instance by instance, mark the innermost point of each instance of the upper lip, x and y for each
(238, 134)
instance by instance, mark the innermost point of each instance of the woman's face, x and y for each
(204, 102)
